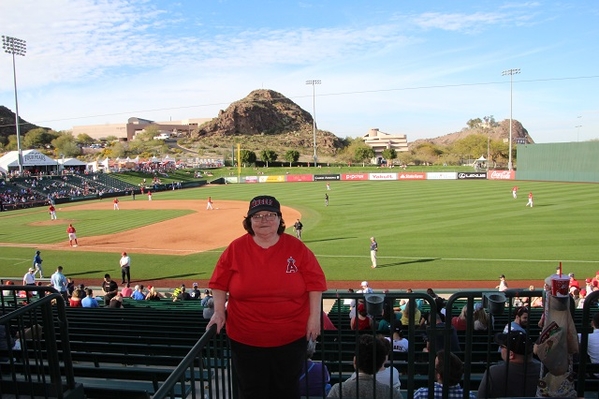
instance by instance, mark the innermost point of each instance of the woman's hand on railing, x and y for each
(219, 318)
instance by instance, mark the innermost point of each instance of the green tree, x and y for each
(292, 156)
(84, 139)
(474, 123)
(37, 138)
(65, 144)
(267, 156)
(247, 157)
(427, 153)
(363, 153)
(389, 154)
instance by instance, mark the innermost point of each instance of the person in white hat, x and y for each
(29, 277)
(365, 288)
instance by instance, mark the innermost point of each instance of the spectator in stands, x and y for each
(388, 320)
(456, 371)
(7, 294)
(388, 375)
(183, 295)
(573, 281)
(502, 286)
(439, 302)
(460, 322)
(362, 321)
(116, 301)
(195, 292)
(520, 322)
(439, 337)
(29, 277)
(75, 300)
(535, 301)
(138, 293)
(405, 314)
(207, 296)
(399, 343)
(365, 289)
(89, 301)
(59, 282)
(153, 294)
(518, 374)
(208, 310)
(315, 379)
(481, 318)
(369, 358)
(593, 344)
(127, 291)
(110, 288)
(268, 322)
(70, 286)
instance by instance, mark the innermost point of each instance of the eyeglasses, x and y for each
(269, 217)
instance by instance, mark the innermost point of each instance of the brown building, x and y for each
(127, 131)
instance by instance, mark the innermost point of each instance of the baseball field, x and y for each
(442, 234)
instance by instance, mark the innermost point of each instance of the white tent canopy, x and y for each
(31, 158)
(481, 159)
(71, 162)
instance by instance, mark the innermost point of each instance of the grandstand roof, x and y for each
(30, 158)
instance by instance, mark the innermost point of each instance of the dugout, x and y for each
(564, 162)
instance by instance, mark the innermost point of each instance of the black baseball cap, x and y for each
(516, 341)
(264, 203)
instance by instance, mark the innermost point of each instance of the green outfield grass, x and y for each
(426, 230)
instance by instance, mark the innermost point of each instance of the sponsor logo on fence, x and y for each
(501, 175)
(472, 175)
(326, 177)
(354, 176)
(412, 176)
(383, 176)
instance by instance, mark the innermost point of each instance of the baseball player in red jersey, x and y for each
(515, 192)
(72, 235)
(529, 199)
(115, 204)
(52, 212)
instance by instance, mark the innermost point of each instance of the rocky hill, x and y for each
(499, 132)
(7, 124)
(267, 118)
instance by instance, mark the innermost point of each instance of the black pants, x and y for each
(125, 273)
(268, 373)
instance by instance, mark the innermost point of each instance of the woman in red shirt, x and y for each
(274, 285)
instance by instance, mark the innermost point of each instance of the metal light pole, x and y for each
(15, 46)
(511, 72)
(578, 132)
(314, 83)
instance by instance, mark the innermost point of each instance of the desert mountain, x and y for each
(268, 114)
(7, 124)
(501, 131)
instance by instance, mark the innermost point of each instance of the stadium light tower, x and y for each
(15, 46)
(314, 83)
(511, 72)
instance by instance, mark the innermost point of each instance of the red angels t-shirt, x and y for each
(268, 289)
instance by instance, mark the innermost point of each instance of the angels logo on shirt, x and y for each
(291, 267)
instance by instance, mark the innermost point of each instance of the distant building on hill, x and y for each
(127, 131)
(380, 141)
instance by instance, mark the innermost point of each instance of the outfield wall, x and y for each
(379, 176)
(567, 162)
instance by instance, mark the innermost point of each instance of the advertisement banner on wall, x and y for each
(412, 176)
(329, 177)
(250, 179)
(442, 175)
(271, 179)
(299, 178)
(501, 175)
(354, 176)
(472, 175)
(382, 176)
(230, 179)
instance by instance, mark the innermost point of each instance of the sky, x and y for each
(420, 68)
